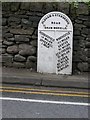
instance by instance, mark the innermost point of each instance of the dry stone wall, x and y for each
(20, 26)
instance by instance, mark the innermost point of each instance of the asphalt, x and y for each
(28, 77)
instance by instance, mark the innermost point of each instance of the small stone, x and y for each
(12, 49)
(25, 49)
(21, 38)
(19, 58)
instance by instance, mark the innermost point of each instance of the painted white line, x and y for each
(44, 101)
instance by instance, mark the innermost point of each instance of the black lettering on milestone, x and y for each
(46, 40)
(63, 51)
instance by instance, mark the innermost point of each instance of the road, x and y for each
(43, 102)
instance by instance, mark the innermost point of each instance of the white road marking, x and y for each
(44, 101)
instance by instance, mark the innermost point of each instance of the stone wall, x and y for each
(19, 33)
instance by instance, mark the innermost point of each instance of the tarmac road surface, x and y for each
(43, 102)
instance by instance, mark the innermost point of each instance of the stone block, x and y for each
(83, 17)
(7, 35)
(5, 42)
(14, 20)
(6, 6)
(78, 21)
(85, 31)
(34, 18)
(33, 43)
(47, 7)
(87, 44)
(13, 49)
(30, 65)
(63, 7)
(89, 53)
(83, 67)
(4, 21)
(5, 29)
(22, 31)
(19, 58)
(79, 26)
(25, 6)
(76, 32)
(21, 38)
(15, 6)
(26, 22)
(78, 37)
(18, 64)
(3, 50)
(7, 59)
(36, 6)
(31, 59)
(87, 23)
(89, 60)
(11, 39)
(82, 9)
(25, 49)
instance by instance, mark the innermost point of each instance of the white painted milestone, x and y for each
(55, 39)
